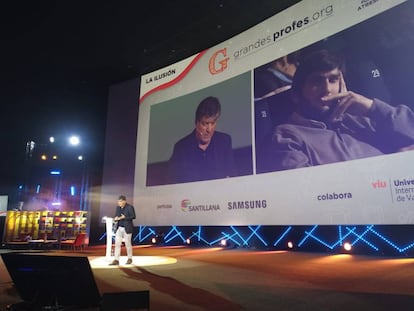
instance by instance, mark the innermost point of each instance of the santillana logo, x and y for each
(186, 206)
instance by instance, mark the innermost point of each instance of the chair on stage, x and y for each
(75, 244)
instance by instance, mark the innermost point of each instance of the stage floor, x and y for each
(183, 278)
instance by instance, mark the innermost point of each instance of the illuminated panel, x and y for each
(172, 176)
(330, 238)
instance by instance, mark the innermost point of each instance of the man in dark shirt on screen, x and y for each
(205, 153)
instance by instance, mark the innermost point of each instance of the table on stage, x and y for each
(42, 244)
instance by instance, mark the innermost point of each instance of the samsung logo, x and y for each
(249, 204)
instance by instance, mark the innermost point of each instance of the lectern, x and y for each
(109, 234)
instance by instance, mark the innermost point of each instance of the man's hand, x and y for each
(119, 217)
(347, 101)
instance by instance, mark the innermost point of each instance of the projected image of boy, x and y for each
(331, 123)
(205, 153)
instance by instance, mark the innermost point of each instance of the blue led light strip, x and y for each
(177, 234)
(282, 236)
(360, 238)
(229, 237)
(307, 235)
(140, 236)
(198, 235)
(389, 242)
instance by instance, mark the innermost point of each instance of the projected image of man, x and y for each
(331, 123)
(205, 153)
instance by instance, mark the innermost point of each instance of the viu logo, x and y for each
(379, 184)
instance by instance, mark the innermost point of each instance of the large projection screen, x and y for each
(376, 39)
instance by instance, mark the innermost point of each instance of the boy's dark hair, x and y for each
(316, 61)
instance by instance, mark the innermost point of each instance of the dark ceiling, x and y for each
(111, 41)
(59, 57)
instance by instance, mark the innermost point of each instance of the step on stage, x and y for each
(184, 278)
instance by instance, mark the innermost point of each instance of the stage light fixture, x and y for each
(188, 241)
(347, 246)
(158, 239)
(74, 140)
(290, 245)
(223, 243)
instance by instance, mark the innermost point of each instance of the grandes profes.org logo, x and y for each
(187, 206)
(218, 61)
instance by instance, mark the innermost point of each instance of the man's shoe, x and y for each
(129, 261)
(114, 263)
